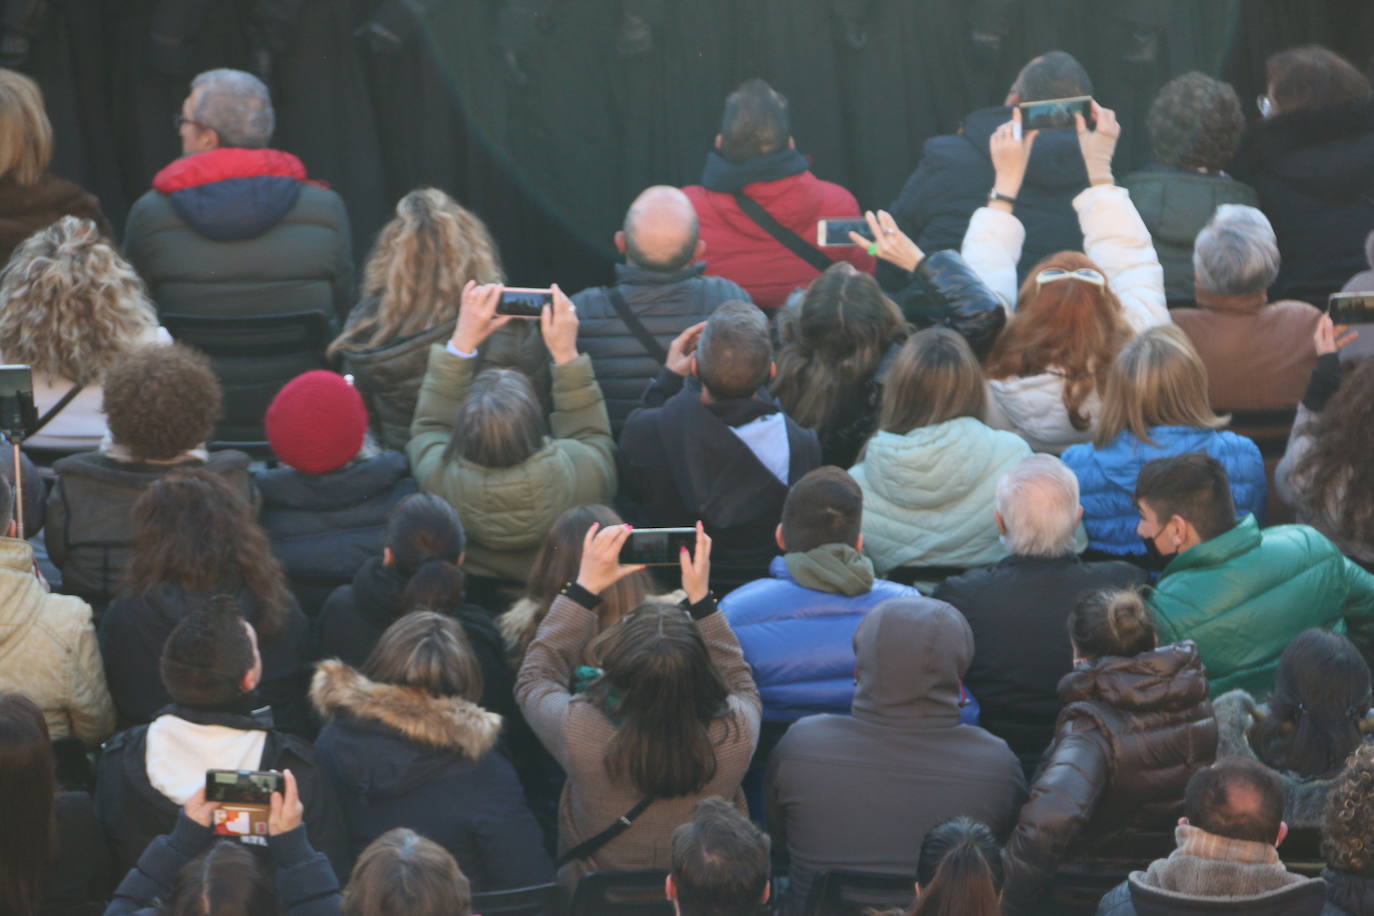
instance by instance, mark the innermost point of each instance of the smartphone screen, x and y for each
(1055, 112)
(832, 233)
(243, 787)
(1351, 308)
(17, 411)
(523, 302)
(657, 546)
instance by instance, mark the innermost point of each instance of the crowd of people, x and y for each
(979, 586)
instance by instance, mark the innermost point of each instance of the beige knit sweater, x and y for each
(577, 734)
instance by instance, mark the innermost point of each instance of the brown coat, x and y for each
(25, 210)
(577, 733)
(1258, 356)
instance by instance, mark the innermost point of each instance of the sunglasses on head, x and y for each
(1086, 274)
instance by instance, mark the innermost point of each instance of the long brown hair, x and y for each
(1156, 380)
(660, 684)
(418, 268)
(402, 872)
(225, 880)
(844, 327)
(29, 778)
(960, 871)
(194, 531)
(935, 377)
(1336, 470)
(556, 564)
(1070, 327)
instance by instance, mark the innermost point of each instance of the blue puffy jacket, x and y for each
(1106, 479)
(800, 642)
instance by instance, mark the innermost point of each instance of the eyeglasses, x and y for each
(179, 119)
(1086, 274)
(1265, 105)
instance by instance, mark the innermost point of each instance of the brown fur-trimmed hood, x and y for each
(443, 722)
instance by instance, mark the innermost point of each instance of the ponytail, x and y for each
(1112, 622)
(959, 870)
(437, 585)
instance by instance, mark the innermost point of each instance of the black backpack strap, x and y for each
(646, 340)
(789, 239)
(55, 409)
(587, 847)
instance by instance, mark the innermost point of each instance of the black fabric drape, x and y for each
(547, 116)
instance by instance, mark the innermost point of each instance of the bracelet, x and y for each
(995, 195)
(579, 595)
(703, 608)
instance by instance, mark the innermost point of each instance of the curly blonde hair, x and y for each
(418, 267)
(70, 306)
(1348, 834)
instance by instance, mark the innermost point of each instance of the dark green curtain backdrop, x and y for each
(528, 112)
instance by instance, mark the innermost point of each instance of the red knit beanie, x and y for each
(317, 422)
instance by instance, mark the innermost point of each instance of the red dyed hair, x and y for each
(1071, 327)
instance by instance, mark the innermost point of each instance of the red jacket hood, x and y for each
(227, 162)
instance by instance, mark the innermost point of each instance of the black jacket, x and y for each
(666, 303)
(1110, 792)
(135, 627)
(80, 874)
(1352, 893)
(1018, 609)
(356, 615)
(1314, 173)
(955, 175)
(305, 880)
(400, 757)
(133, 813)
(1132, 898)
(324, 526)
(681, 462)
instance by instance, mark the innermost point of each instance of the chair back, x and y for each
(845, 892)
(624, 893)
(536, 900)
(253, 356)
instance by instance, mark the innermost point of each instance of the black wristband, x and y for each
(703, 608)
(1325, 381)
(579, 595)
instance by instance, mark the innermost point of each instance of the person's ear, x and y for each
(791, 144)
(1001, 525)
(1283, 832)
(12, 529)
(1078, 518)
(461, 557)
(249, 682)
(700, 251)
(619, 239)
(859, 544)
(777, 536)
(1183, 822)
(719, 141)
(388, 558)
(767, 891)
(772, 371)
(670, 890)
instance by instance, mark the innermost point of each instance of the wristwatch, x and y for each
(994, 195)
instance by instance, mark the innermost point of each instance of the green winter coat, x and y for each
(506, 512)
(1244, 594)
(1175, 204)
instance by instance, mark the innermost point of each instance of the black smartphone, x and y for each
(242, 787)
(657, 546)
(832, 233)
(1056, 112)
(523, 301)
(1351, 308)
(18, 414)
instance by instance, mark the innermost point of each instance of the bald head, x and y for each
(660, 231)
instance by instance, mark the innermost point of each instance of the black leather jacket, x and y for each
(944, 290)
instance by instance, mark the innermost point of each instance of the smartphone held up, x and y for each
(523, 301)
(245, 798)
(1049, 113)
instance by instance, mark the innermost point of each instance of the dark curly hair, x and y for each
(1348, 833)
(1195, 122)
(161, 400)
(1341, 457)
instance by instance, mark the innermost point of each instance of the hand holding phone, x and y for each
(1051, 113)
(1351, 308)
(524, 301)
(558, 326)
(245, 800)
(285, 812)
(600, 566)
(836, 233)
(477, 317)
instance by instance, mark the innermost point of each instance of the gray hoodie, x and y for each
(860, 791)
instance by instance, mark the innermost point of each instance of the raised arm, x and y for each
(1114, 235)
(579, 409)
(1324, 382)
(993, 240)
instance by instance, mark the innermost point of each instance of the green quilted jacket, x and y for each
(1244, 594)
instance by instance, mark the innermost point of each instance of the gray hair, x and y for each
(1236, 253)
(1038, 502)
(236, 105)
